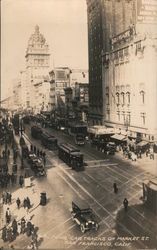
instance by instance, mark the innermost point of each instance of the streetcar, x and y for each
(36, 132)
(71, 156)
(80, 139)
(48, 141)
(77, 128)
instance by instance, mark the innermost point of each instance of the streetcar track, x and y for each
(85, 191)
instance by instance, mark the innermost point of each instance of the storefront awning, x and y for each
(118, 137)
(142, 143)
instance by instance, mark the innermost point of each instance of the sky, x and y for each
(63, 24)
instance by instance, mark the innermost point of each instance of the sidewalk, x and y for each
(145, 163)
(18, 214)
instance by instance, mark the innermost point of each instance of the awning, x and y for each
(118, 137)
(142, 143)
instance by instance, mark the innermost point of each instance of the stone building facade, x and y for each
(37, 65)
(129, 56)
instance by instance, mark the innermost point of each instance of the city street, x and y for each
(78, 134)
(136, 228)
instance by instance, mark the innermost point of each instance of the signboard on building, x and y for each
(147, 11)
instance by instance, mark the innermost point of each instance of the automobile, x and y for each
(84, 217)
(111, 148)
(36, 165)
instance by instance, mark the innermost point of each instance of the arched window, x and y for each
(128, 97)
(123, 98)
(117, 98)
(142, 94)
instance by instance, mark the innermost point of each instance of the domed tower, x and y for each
(37, 63)
(37, 54)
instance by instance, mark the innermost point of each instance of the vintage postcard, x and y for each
(78, 124)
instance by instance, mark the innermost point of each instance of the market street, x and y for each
(95, 185)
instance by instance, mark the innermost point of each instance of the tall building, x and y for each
(95, 47)
(105, 18)
(59, 80)
(129, 56)
(37, 65)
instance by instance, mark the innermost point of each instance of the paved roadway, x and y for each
(136, 229)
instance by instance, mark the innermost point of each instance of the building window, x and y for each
(107, 98)
(121, 53)
(142, 94)
(123, 98)
(143, 116)
(138, 46)
(108, 114)
(128, 97)
(126, 51)
(117, 98)
(116, 55)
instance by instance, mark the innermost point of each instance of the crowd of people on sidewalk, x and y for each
(12, 229)
(23, 226)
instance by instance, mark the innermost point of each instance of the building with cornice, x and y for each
(126, 33)
(37, 67)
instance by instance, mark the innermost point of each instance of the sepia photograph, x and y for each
(78, 124)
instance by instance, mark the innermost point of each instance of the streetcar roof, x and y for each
(69, 148)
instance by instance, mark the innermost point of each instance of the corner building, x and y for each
(37, 66)
(129, 59)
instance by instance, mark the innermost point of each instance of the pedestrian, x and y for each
(8, 216)
(9, 197)
(3, 153)
(41, 153)
(35, 149)
(25, 203)
(21, 181)
(9, 234)
(140, 154)
(4, 197)
(34, 239)
(125, 203)
(23, 225)
(29, 228)
(4, 234)
(38, 152)
(8, 153)
(44, 161)
(14, 226)
(18, 202)
(44, 154)
(31, 148)
(115, 187)
(28, 203)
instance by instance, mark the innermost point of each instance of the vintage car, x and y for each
(84, 217)
(36, 165)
